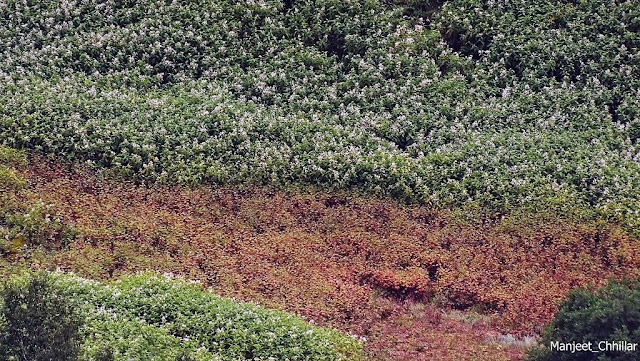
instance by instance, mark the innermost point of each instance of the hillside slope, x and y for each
(498, 105)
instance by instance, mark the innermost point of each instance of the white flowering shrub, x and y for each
(144, 316)
(108, 336)
(500, 104)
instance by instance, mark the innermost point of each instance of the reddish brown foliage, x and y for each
(358, 264)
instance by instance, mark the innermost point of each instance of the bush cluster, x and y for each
(496, 103)
(145, 317)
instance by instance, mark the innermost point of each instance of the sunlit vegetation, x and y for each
(370, 267)
(146, 317)
(431, 177)
(499, 104)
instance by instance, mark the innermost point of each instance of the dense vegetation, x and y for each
(25, 222)
(498, 104)
(611, 314)
(38, 324)
(515, 127)
(386, 272)
(147, 317)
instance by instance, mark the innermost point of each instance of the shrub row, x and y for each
(145, 317)
(442, 106)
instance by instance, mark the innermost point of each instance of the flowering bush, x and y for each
(498, 104)
(146, 317)
(153, 312)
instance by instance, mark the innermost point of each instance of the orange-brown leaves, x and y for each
(355, 263)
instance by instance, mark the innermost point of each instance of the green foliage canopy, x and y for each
(499, 104)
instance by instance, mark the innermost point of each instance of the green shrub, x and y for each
(138, 314)
(10, 180)
(109, 336)
(610, 314)
(39, 324)
(37, 226)
(42, 320)
(11, 157)
(498, 103)
(25, 223)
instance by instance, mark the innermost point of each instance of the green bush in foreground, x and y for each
(109, 337)
(231, 329)
(38, 324)
(611, 314)
(149, 317)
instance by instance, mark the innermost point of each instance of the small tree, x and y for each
(610, 314)
(38, 323)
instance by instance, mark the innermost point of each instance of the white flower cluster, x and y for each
(158, 314)
(494, 105)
